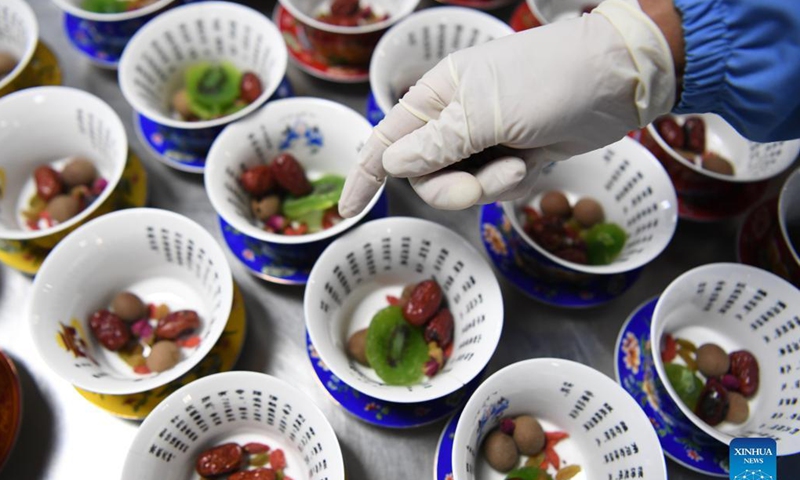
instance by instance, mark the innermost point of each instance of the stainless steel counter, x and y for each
(65, 437)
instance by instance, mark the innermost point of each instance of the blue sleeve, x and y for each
(743, 63)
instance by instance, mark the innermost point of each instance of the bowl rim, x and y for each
(655, 342)
(75, 11)
(782, 206)
(131, 386)
(395, 393)
(408, 7)
(422, 16)
(113, 180)
(653, 131)
(577, 367)
(278, 48)
(154, 421)
(30, 47)
(212, 175)
(509, 210)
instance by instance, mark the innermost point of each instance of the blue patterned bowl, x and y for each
(153, 63)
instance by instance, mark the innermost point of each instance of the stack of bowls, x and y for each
(704, 195)
(349, 285)
(325, 138)
(406, 52)
(635, 193)
(152, 66)
(160, 256)
(77, 123)
(19, 36)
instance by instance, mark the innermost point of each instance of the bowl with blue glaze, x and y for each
(242, 408)
(406, 51)
(160, 56)
(635, 193)
(601, 428)
(322, 135)
(100, 29)
(357, 276)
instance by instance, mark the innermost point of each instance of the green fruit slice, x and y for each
(604, 241)
(105, 6)
(395, 349)
(325, 194)
(528, 473)
(213, 88)
(685, 382)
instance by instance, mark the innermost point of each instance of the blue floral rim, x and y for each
(682, 442)
(374, 112)
(443, 462)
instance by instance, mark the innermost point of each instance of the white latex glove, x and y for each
(551, 92)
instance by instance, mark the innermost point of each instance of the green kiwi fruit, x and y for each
(395, 348)
(213, 89)
(325, 194)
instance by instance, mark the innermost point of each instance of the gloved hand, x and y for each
(550, 93)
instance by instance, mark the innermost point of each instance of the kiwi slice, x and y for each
(395, 348)
(325, 194)
(213, 88)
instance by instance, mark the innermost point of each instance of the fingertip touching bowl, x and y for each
(402, 57)
(597, 414)
(322, 135)
(19, 37)
(152, 66)
(160, 256)
(346, 45)
(738, 307)
(76, 123)
(239, 407)
(350, 282)
(101, 37)
(635, 193)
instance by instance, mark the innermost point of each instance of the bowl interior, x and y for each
(789, 213)
(752, 161)
(323, 136)
(633, 189)
(419, 42)
(18, 35)
(162, 257)
(77, 123)
(153, 64)
(237, 407)
(739, 307)
(602, 421)
(550, 11)
(349, 284)
(76, 8)
(306, 11)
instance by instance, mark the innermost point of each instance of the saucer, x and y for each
(523, 18)
(262, 265)
(10, 406)
(131, 191)
(306, 59)
(443, 462)
(496, 233)
(221, 358)
(387, 414)
(149, 133)
(682, 442)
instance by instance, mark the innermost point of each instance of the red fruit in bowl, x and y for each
(257, 181)
(440, 328)
(290, 175)
(423, 303)
(695, 130)
(109, 330)
(670, 132)
(744, 366)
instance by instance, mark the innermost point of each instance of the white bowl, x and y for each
(152, 65)
(550, 11)
(407, 50)
(752, 161)
(739, 307)
(599, 416)
(237, 407)
(44, 124)
(325, 139)
(634, 190)
(73, 7)
(19, 35)
(351, 279)
(161, 256)
(306, 11)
